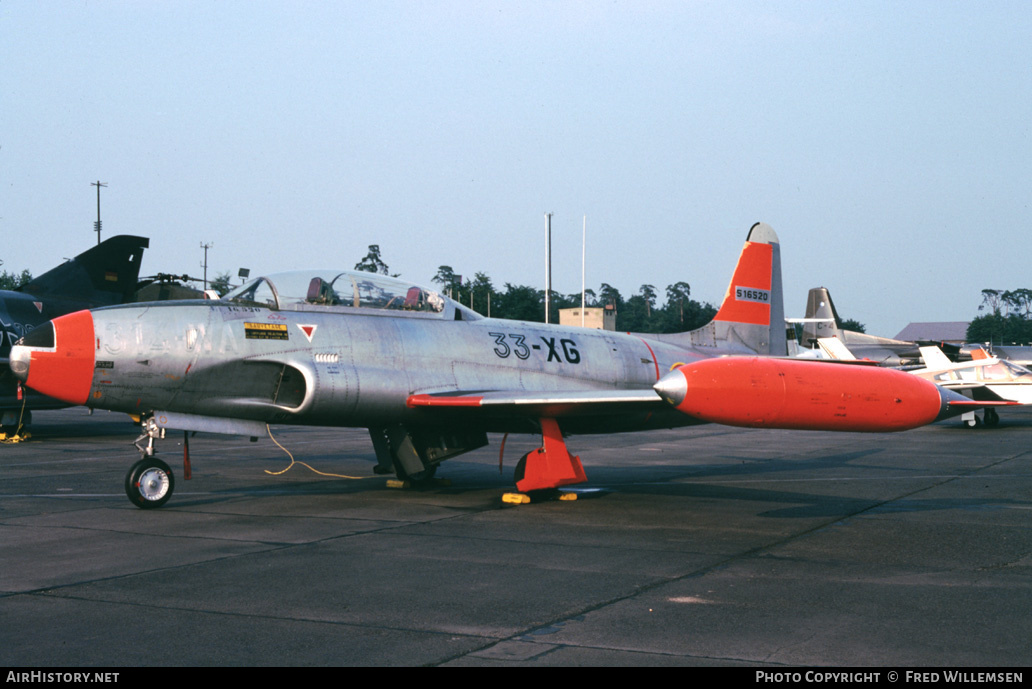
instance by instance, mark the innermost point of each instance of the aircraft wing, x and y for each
(977, 391)
(537, 404)
(557, 404)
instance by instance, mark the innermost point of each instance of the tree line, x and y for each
(1008, 317)
(638, 313)
(14, 280)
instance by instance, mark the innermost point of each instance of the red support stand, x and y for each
(551, 465)
(187, 473)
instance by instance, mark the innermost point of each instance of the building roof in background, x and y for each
(945, 331)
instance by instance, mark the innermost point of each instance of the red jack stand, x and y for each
(551, 465)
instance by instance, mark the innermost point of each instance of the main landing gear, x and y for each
(990, 418)
(413, 457)
(413, 454)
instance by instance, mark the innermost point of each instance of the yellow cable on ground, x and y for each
(294, 461)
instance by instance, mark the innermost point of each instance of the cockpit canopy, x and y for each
(294, 291)
(988, 371)
(342, 290)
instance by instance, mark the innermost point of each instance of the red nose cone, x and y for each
(805, 395)
(61, 368)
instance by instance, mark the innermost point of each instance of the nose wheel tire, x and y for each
(149, 483)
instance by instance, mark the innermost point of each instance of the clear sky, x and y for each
(888, 143)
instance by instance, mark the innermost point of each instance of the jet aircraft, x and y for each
(822, 321)
(983, 377)
(429, 378)
(1016, 354)
(102, 275)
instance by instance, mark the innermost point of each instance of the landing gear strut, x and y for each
(414, 453)
(149, 483)
(990, 419)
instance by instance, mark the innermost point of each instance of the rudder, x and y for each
(752, 314)
(751, 317)
(821, 319)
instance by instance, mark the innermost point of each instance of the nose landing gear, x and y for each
(150, 482)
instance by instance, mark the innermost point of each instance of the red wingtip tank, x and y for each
(762, 392)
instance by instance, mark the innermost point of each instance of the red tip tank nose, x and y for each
(801, 394)
(57, 358)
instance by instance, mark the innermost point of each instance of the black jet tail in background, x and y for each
(104, 275)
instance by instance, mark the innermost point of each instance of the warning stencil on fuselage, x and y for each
(266, 331)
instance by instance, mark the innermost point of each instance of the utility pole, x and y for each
(205, 264)
(548, 263)
(96, 226)
(583, 246)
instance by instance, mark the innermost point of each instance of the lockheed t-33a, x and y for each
(430, 378)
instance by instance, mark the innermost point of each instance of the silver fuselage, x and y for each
(359, 369)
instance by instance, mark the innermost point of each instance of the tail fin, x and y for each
(978, 353)
(106, 274)
(934, 358)
(751, 318)
(821, 319)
